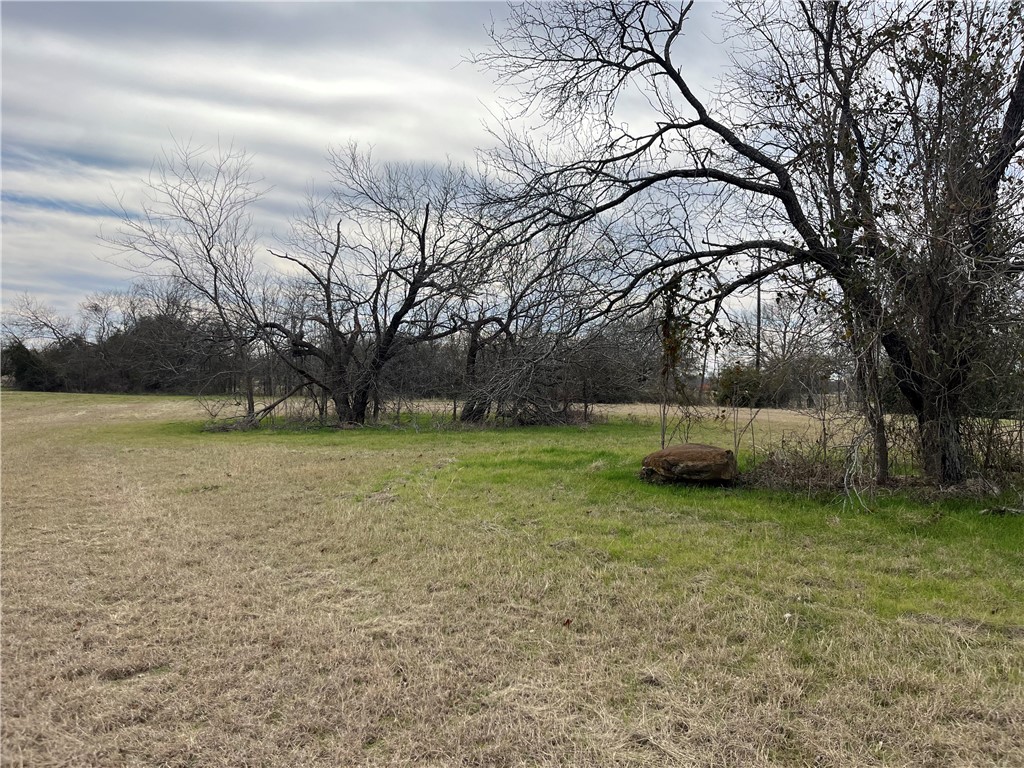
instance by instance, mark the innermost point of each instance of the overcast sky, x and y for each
(92, 92)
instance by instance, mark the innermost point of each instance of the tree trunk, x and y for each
(360, 403)
(866, 377)
(342, 407)
(319, 398)
(934, 392)
(250, 395)
(475, 409)
(943, 456)
(880, 440)
(942, 449)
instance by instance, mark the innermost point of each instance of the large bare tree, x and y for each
(384, 261)
(193, 227)
(874, 145)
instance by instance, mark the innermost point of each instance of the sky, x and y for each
(92, 93)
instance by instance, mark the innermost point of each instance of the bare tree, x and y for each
(525, 322)
(384, 261)
(30, 320)
(867, 144)
(796, 339)
(193, 227)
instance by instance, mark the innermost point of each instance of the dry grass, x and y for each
(770, 426)
(176, 599)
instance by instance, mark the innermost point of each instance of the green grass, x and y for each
(580, 485)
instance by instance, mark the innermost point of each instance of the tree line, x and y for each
(151, 339)
(865, 159)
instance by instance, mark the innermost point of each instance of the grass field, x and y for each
(378, 597)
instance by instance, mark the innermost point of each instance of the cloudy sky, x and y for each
(93, 92)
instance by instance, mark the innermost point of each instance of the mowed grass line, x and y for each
(513, 597)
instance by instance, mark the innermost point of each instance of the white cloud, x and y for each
(92, 92)
(54, 255)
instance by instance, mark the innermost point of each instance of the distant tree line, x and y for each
(144, 340)
(152, 338)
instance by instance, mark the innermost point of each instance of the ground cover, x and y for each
(506, 597)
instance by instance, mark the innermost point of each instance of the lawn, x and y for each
(507, 597)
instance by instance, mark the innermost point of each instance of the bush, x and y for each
(28, 369)
(743, 386)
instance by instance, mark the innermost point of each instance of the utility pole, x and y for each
(757, 343)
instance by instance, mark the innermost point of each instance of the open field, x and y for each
(379, 597)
